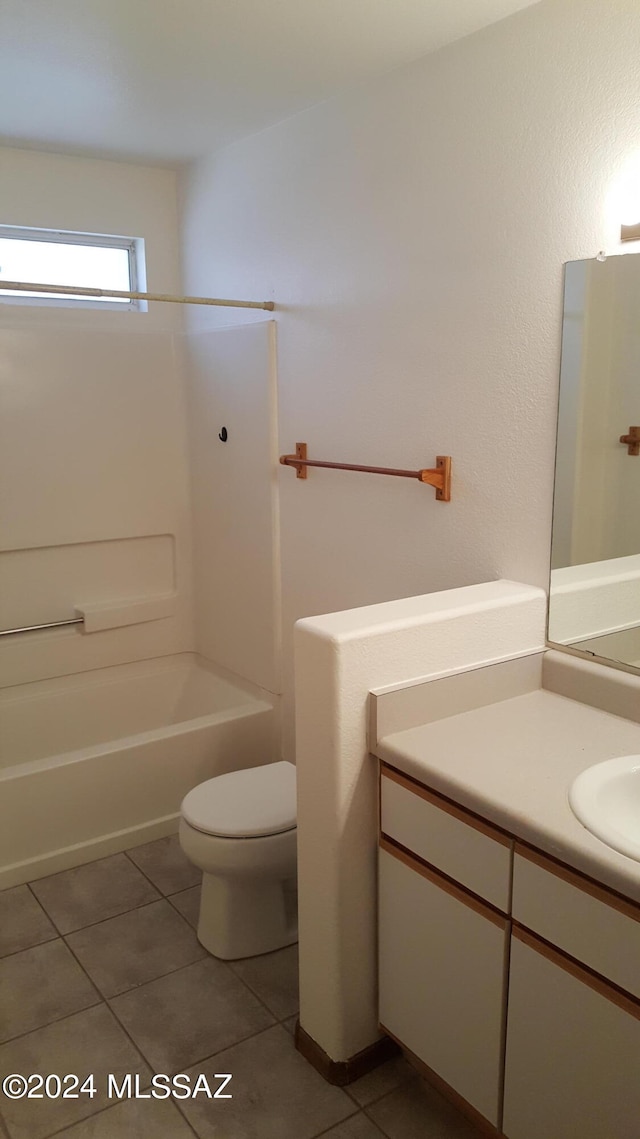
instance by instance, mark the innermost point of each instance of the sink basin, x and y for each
(606, 800)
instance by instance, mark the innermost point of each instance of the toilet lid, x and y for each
(244, 804)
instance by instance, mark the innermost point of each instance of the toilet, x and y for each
(240, 829)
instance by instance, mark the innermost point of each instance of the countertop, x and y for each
(513, 762)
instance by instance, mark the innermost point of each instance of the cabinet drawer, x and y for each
(583, 919)
(447, 837)
(442, 978)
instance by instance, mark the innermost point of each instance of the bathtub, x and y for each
(98, 762)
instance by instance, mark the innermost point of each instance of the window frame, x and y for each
(133, 245)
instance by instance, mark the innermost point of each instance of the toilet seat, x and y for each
(252, 803)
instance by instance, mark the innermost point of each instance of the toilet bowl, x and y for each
(240, 829)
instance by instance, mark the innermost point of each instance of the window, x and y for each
(51, 257)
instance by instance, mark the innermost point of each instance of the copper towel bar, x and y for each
(439, 478)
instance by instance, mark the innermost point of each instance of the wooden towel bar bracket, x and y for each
(439, 477)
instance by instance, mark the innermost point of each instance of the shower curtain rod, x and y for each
(69, 290)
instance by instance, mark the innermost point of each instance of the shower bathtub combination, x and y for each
(98, 762)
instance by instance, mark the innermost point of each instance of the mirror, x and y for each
(594, 596)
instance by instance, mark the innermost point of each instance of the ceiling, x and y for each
(168, 80)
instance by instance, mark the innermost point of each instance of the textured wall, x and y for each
(413, 233)
(339, 658)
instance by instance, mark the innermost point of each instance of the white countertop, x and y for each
(513, 763)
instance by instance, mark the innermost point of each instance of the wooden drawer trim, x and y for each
(581, 972)
(445, 804)
(485, 909)
(579, 881)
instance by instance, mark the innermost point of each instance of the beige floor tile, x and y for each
(417, 1111)
(290, 1024)
(136, 947)
(358, 1127)
(164, 863)
(40, 985)
(187, 902)
(134, 1119)
(188, 1015)
(276, 1094)
(382, 1080)
(23, 922)
(274, 978)
(87, 894)
(88, 1042)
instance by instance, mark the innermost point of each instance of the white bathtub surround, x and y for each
(231, 379)
(99, 761)
(99, 507)
(339, 658)
(98, 510)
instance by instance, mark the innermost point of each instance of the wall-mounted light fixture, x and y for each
(630, 232)
(629, 200)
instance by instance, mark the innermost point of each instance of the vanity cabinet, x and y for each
(573, 1050)
(514, 980)
(444, 878)
(442, 975)
(585, 921)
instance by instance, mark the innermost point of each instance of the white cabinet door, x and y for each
(442, 978)
(573, 1051)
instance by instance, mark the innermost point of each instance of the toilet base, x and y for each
(243, 919)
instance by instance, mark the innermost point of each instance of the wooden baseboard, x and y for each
(343, 1072)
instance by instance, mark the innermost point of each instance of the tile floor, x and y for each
(101, 971)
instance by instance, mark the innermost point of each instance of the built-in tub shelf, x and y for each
(116, 614)
(95, 617)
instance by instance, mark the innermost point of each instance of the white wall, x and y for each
(93, 461)
(413, 234)
(232, 384)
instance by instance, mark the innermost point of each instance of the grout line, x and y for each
(169, 897)
(55, 936)
(155, 886)
(58, 1020)
(256, 995)
(365, 1112)
(186, 1120)
(104, 1001)
(140, 984)
(152, 980)
(125, 913)
(225, 1048)
(410, 1077)
(101, 1111)
(328, 1130)
(45, 912)
(98, 921)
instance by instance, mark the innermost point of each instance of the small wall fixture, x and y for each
(627, 198)
(630, 232)
(439, 478)
(632, 441)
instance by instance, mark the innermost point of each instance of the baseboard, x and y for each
(69, 856)
(343, 1072)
